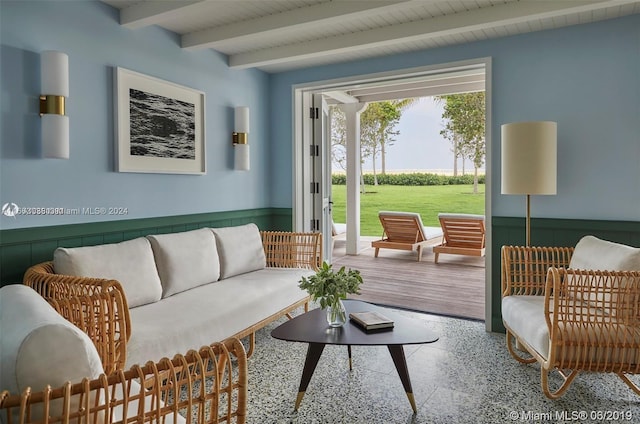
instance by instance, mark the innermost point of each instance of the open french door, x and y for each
(321, 173)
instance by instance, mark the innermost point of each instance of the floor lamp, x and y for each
(529, 161)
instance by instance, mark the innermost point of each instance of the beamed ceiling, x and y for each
(280, 35)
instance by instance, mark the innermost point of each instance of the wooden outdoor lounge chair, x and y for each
(464, 234)
(338, 229)
(404, 231)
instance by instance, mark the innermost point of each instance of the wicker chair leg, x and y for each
(510, 341)
(630, 383)
(252, 344)
(568, 379)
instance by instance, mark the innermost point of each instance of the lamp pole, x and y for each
(528, 223)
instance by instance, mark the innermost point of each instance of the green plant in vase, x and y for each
(329, 288)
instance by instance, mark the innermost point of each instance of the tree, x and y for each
(464, 116)
(393, 107)
(377, 132)
(338, 137)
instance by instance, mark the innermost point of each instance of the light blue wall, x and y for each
(587, 78)
(90, 34)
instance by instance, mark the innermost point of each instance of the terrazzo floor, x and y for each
(467, 376)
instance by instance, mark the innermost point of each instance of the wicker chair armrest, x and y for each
(43, 279)
(524, 269)
(201, 384)
(292, 250)
(607, 297)
(101, 316)
(593, 311)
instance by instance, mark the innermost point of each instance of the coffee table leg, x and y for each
(313, 355)
(349, 353)
(399, 360)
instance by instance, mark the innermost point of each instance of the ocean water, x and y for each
(161, 127)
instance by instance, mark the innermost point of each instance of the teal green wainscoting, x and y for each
(550, 232)
(21, 248)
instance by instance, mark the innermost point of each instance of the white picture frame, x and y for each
(159, 125)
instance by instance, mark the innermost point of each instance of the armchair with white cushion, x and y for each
(573, 310)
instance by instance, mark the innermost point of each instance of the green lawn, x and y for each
(428, 201)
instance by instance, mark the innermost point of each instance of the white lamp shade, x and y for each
(241, 124)
(529, 158)
(54, 73)
(241, 160)
(55, 136)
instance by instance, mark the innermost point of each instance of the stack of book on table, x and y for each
(371, 320)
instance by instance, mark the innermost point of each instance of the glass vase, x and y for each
(336, 314)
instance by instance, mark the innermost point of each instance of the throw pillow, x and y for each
(130, 262)
(240, 249)
(185, 260)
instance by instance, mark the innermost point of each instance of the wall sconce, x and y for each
(241, 139)
(529, 161)
(54, 77)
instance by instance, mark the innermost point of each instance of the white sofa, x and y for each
(188, 289)
(49, 364)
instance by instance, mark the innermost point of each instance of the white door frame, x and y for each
(301, 102)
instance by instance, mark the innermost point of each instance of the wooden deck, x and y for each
(455, 286)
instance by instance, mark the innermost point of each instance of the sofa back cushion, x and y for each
(39, 347)
(130, 262)
(592, 253)
(596, 254)
(185, 260)
(240, 249)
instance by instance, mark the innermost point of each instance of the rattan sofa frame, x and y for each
(109, 318)
(583, 338)
(205, 386)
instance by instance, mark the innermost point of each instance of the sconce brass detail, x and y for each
(52, 104)
(240, 138)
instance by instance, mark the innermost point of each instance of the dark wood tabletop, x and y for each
(312, 327)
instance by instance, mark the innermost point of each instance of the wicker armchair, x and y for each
(205, 386)
(108, 323)
(590, 321)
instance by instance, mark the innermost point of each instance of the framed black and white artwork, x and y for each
(159, 125)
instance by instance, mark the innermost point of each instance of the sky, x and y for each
(419, 146)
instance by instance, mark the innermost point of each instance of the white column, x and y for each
(352, 122)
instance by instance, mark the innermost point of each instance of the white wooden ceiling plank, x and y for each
(423, 92)
(152, 13)
(421, 83)
(298, 19)
(451, 25)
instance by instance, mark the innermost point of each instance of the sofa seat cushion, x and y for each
(130, 262)
(39, 347)
(211, 312)
(524, 315)
(240, 249)
(185, 260)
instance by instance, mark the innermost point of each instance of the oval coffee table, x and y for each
(311, 327)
